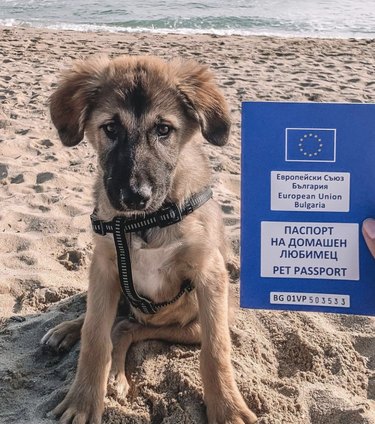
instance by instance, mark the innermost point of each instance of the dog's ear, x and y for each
(200, 93)
(70, 104)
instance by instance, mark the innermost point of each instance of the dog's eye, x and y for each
(163, 130)
(110, 130)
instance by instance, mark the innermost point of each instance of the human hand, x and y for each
(368, 231)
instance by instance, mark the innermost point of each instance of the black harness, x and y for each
(169, 214)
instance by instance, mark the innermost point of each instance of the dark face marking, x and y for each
(137, 101)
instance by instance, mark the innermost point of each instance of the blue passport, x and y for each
(307, 184)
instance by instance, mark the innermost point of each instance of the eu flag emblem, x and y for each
(310, 145)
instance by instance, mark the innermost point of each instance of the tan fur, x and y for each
(194, 249)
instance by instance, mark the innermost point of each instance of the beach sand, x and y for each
(294, 368)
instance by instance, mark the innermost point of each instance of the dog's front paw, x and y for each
(234, 411)
(80, 407)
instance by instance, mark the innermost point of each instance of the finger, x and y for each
(368, 231)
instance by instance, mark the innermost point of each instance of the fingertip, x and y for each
(368, 228)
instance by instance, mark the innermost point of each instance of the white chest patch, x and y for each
(149, 268)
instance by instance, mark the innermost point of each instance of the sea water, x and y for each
(305, 18)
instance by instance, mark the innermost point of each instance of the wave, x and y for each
(212, 25)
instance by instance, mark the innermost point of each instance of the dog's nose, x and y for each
(132, 199)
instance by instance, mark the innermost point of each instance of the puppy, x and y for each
(147, 119)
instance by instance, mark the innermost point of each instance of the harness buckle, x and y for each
(187, 286)
(169, 215)
(97, 225)
(189, 208)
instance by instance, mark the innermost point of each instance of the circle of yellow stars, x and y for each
(310, 137)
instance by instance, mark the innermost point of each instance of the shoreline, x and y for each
(95, 28)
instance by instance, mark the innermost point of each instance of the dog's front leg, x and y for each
(84, 402)
(224, 402)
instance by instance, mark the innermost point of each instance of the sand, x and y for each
(294, 368)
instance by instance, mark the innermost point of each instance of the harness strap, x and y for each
(124, 267)
(169, 214)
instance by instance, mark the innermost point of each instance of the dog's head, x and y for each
(138, 113)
